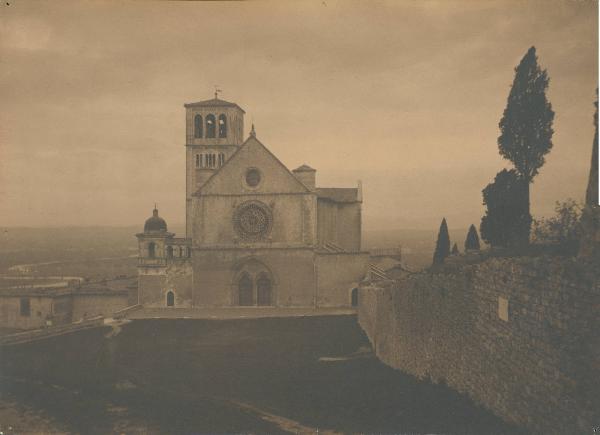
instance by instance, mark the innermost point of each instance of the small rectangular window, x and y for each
(25, 307)
(197, 160)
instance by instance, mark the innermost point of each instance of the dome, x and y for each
(155, 223)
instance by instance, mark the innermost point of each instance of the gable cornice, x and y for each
(198, 191)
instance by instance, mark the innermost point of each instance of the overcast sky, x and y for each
(405, 96)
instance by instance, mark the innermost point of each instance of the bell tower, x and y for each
(214, 130)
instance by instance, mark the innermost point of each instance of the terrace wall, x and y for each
(519, 336)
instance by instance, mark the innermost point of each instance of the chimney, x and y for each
(307, 176)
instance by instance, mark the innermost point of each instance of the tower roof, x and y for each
(304, 168)
(155, 223)
(214, 102)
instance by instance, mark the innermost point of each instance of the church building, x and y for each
(257, 234)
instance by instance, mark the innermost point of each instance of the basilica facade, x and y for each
(257, 234)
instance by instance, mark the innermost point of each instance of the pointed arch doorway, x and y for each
(245, 290)
(253, 285)
(263, 290)
(170, 299)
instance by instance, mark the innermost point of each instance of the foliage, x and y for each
(507, 221)
(455, 249)
(472, 240)
(442, 246)
(562, 228)
(591, 194)
(526, 126)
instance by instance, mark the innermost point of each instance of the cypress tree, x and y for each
(472, 240)
(590, 219)
(455, 249)
(507, 221)
(442, 246)
(526, 125)
(591, 194)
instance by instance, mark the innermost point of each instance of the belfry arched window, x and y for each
(169, 251)
(222, 126)
(210, 126)
(197, 126)
(151, 250)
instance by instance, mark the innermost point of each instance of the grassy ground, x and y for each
(209, 376)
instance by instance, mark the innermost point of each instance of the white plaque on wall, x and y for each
(503, 308)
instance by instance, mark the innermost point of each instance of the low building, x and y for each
(23, 308)
(33, 308)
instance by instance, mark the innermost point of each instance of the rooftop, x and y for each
(214, 102)
(304, 168)
(338, 194)
(120, 285)
(48, 292)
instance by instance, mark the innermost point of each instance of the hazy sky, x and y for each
(405, 96)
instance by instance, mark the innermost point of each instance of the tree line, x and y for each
(525, 139)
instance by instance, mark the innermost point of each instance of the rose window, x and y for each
(252, 220)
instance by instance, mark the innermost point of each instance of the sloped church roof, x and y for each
(252, 141)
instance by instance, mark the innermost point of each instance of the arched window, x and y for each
(188, 252)
(169, 252)
(151, 250)
(210, 160)
(198, 160)
(180, 251)
(210, 126)
(263, 290)
(197, 126)
(222, 126)
(221, 159)
(354, 297)
(25, 307)
(245, 290)
(170, 299)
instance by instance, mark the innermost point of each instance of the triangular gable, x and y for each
(230, 178)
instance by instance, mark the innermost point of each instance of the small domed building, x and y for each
(257, 234)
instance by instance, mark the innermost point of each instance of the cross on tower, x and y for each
(217, 90)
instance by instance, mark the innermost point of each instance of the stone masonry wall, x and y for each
(518, 335)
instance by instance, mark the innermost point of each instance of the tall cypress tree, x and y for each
(526, 126)
(590, 218)
(442, 246)
(472, 240)
(591, 193)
